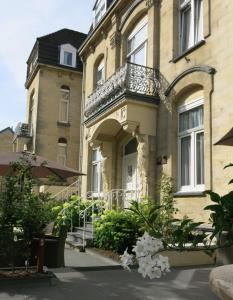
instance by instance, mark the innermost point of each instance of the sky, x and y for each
(21, 22)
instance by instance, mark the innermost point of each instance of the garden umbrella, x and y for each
(227, 139)
(41, 167)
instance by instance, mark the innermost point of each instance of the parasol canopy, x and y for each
(41, 167)
(227, 139)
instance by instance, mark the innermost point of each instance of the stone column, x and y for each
(143, 163)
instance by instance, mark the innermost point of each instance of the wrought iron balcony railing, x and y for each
(23, 130)
(130, 77)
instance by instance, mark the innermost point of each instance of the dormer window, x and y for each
(68, 55)
(99, 10)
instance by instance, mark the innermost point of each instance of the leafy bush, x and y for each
(117, 230)
(69, 211)
(23, 214)
(222, 214)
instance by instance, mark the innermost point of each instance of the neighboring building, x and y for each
(6, 138)
(157, 96)
(54, 84)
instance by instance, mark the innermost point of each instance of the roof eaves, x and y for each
(110, 8)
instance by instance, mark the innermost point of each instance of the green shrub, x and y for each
(116, 231)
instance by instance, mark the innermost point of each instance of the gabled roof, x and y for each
(48, 47)
(7, 129)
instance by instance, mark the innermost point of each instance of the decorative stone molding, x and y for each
(106, 170)
(202, 68)
(143, 163)
(91, 49)
(123, 113)
(130, 126)
(150, 3)
(94, 144)
(115, 39)
(103, 33)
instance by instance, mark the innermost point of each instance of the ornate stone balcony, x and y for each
(130, 79)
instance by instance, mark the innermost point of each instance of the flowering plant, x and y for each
(150, 263)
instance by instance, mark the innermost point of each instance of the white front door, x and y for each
(130, 177)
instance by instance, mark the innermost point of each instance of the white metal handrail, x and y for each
(67, 192)
(100, 205)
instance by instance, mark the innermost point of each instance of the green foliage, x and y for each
(23, 214)
(222, 213)
(116, 230)
(69, 211)
(174, 233)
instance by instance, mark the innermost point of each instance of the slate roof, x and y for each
(49, 50)
(7, 129)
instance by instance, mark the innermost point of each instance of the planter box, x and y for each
(188, 258)
(31, 279)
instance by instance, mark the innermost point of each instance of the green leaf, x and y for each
(214, 196)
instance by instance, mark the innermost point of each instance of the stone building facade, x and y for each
(157, 95)
(54, 85)
(6, 138)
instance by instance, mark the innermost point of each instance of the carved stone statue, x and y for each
(143, 163)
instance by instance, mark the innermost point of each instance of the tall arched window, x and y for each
(137, 43)
(191, 146)
(64, 104)
(62, 151)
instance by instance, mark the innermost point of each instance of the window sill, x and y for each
(189, 194)
(189, 50)
(63, 124)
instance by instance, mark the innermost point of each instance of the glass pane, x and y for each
(68, 58)
(95, 178)
(140, 36)
(185, 28)
(100, 76)
(191, 118)
(200, 157)
(96, 155)
(131, 147)
(185, 161)
(139, 57)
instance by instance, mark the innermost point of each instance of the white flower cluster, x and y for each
(150, 263)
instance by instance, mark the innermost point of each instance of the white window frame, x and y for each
(68, 48)
(97, 163)
(67, 103)
(100, 67)
(194, 39)
(100, 7)
(193, 187)
(63, 157)
(139, 26)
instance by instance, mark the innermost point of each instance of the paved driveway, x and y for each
(72, 284)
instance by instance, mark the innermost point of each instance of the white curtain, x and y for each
(200, 158)
(185, 160)
(191, 119)
(198, 21)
